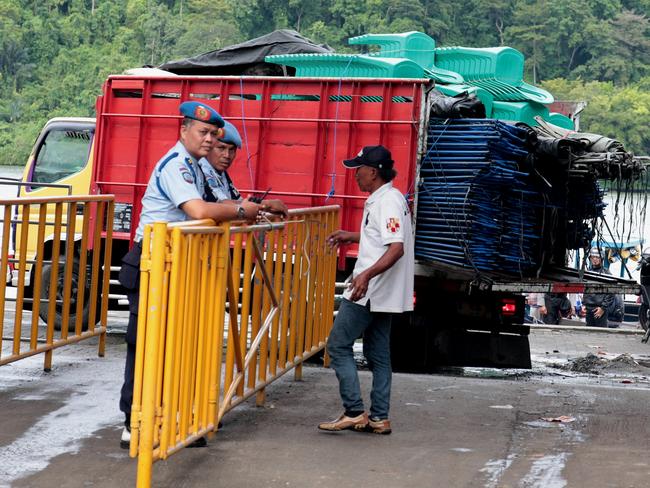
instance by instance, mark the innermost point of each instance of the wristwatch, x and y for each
(241, 213)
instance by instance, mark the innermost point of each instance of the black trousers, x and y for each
(130, 279)
(593, 321)
(556, 306)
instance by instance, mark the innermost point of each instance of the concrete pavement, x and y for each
(460, 428)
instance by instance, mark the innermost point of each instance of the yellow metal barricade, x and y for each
(63, 246)
(224, 311)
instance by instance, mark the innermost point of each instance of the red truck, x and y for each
(296, 131)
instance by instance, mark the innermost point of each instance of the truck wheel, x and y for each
(644, 316)
(74, 293)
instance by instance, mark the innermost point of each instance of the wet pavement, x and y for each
(578, 418)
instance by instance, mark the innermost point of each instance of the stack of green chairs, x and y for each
(494, 75)
(348, 65)
(416, 46)
(499, 70)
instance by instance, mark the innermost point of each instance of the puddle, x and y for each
(546, 472)
(540, 424)
(494, 470)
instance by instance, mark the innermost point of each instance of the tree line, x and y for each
(54, 54)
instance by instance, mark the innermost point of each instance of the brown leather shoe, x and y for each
(379, 426)
(344, 422)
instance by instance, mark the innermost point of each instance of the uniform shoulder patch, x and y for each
(392, 224)
(187, 176)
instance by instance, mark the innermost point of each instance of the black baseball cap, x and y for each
(374, 156)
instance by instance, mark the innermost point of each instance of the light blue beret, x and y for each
(201, 112)
(231, 135)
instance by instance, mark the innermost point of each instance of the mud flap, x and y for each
(417, 347)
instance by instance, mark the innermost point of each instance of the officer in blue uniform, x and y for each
(175, 192)
(219, 186)
(215, 165)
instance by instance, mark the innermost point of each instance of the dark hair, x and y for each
(187, 122)
(387, 174)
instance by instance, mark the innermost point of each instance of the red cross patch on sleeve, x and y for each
(392, 225)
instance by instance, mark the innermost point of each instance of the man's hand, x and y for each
(276, 206)
(542, 310)
(359, 286)
(599, 312)
(339, 237)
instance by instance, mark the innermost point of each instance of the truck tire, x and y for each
(644, 316)
(74, 283)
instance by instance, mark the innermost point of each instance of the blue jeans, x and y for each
(352, 322)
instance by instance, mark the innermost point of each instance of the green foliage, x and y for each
(624, 53)
(17, 140)
(54, 54)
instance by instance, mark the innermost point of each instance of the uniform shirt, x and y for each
(221, 186)
(174, 181)
(386, 219)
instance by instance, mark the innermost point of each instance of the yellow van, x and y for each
(60, 164)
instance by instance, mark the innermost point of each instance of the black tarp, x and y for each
(246, 58)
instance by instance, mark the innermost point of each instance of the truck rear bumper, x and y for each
(554, 280)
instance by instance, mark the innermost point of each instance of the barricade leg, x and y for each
(145, 448)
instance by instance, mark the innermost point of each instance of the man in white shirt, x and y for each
(381, 285)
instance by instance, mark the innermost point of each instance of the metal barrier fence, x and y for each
(274, 282)
(62, 245)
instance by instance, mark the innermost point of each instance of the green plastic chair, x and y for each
(561, 120)
(443, 76)
(348, 65)
(416, 46)
(498, 70)
(519, 111)
(502, 63)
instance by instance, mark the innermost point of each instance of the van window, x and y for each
(62, 153)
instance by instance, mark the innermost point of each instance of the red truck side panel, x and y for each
(295, 133)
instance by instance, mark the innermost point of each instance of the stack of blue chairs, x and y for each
(476, 207)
